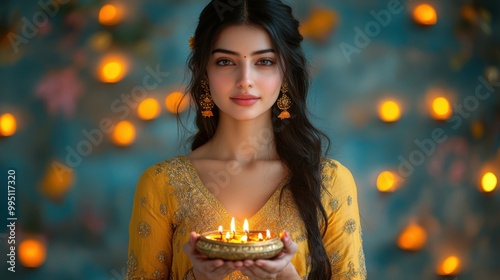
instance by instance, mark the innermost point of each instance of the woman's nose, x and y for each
(245, 76)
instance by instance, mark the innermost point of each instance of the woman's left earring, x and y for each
(206, 101)
(284, 103)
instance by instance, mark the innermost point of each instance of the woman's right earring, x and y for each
(206, 101)
(284, 103)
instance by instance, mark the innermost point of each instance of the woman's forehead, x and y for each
(243, 39)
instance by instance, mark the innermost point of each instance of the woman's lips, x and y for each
(244, 99)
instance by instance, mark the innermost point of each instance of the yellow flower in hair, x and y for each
(191, 42)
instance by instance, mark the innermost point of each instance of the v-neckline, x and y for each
(219, 207)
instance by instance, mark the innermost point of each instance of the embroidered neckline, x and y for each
(217, 205)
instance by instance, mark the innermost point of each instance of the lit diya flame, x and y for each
(260, 237)
(220, 231)
(268, 234)
(233, 228)
(245, 226)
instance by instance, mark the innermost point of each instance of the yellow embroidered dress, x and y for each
(171, 201)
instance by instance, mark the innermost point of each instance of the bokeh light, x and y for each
(110, 14)
(8, 124)
(488, 182)
(32, 253)
(386, 181)
(148, 109)
(112, 68)
(57, 181)
(173, 99)
(441, 108)
(425, 14)
(389, 111)
(413, 238)
(449, 266)
(124, 133)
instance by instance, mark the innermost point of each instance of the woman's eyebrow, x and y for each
(235, 53)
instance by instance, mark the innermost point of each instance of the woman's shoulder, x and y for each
(336, 176)
(164, 171)
(168, 166)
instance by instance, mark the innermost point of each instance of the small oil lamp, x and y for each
(239, 245)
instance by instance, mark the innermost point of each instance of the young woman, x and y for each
(255, 156)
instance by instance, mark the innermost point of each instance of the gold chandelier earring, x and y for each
(206, 101)
(284, 103)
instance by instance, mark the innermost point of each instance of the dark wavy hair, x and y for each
(298, 143)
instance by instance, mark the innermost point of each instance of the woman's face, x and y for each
(243, 65)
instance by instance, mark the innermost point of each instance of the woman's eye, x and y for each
(266, 62)
(224, 62)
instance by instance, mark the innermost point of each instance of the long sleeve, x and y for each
(343, 240)
(150, 231)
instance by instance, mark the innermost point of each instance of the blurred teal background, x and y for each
(75, 186)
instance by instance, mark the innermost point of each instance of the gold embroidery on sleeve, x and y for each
(362, 264)
(351, 273)
(159, 275)
(143, 201)
(144, 229)
(131, 265)
(350, 226)
(349, 200)
(334, 204)
(163, 209)
(335, 258)
(162, 257)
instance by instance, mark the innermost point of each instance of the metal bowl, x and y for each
(217, 249)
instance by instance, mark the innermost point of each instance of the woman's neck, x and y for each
(243, 141)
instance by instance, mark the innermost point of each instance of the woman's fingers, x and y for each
(270, 268)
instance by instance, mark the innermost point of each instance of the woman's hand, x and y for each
(278, 267)
(204, 268)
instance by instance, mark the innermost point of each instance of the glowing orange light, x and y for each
(441, 109)
(8, 124)
(112, 68)
(112, 72)
(32, 253)
(124, 133)
(57, 181)
(489, 182)
(110, 14)
(450, 266)
(389, 111)
(260, 237)
(386, 181)
(425, 14)
(174, 99)
(412, 238)
(148, 109)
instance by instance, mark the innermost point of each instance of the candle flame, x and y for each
(245, 226)
(268, 234)
(244, 238)
(220, 229)
(260, 236)
(227, 235)
(233, 227)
